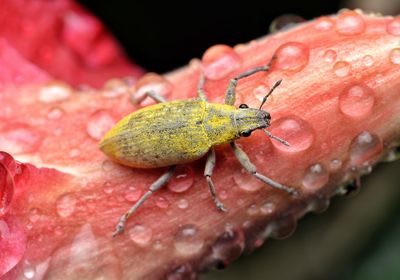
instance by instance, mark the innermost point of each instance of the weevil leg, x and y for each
(200, 90)
(210, 164)
(230, 94)
(154, 187)
(250, 167)
(152, 94)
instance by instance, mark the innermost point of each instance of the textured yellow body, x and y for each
(170, 133)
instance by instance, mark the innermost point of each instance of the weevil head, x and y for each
(249, 119)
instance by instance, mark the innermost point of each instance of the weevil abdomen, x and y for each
(160, 135)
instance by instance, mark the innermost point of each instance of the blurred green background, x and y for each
(358, 237)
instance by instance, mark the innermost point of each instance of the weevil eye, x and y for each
(243, 106)
(245, 133)
(268, 116)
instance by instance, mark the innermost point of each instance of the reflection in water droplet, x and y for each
(65, 205)
(253, 210)
(335, 165)
(365, 149)
(285, 22)
(183, 204)
(267, 208)
(219, 61)
(324, 23)
(187, 240)
(246, 181)
(392, 155)
(29, 270)
(296, 131)
(356, 101)
(54, 92)
(99, 123)
(133, 195)
(330, 56)
(316, 176)
(394, 56)
(108, 187)
(393, 26)
(292, 56)
(350, 23)
(141, 235)
(341, 68)
(183, 179)
(151, 82)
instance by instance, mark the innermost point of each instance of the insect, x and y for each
(178, 132)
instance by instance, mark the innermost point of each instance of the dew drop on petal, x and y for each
(268, 208)
(246, 181)
(341, 68)
(151, 82)
(368, 61)
(330, 56)
(229, 246)
(18, 138)
(315, 177)
(108, 187)
(29, 270)
(65, 205)
(187, 240)
(183, 204)
(365, 149)
(335, 165)
(7, 188)
(141, 235)
(356, 101)
(162, 202)
(394, 56)
(55, 92)
(134, 195)
(55, 113)
(296, 131)
(73, 153)
(292, 56)
(393, 26)
(182, 180)
(219, 61)
(350, 23)
(99, 123)
(324, 23)
(285, 22)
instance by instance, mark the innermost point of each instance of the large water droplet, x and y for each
(330, 56)
(183, 179)
(99, 123)
(219, 61)
(393, 26)
(151, 82)
(66, 205)
(292, 56)
(229, 246)
(350, 23)
(341, 68)
(365, 149)
(296, 131)
(187, 240)
(54, 92)
(394, 56)
(18, 138)
(285, 22)
(246, 181)
(324, 23)
(315, 177)
(141, 235)
(7, 188)
(356, 101)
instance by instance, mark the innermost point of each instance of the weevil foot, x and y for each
(120, 226)
(220, 206)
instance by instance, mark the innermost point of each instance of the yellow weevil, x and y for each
(178, 132)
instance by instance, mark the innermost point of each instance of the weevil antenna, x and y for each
(276, 138)
(269, 93)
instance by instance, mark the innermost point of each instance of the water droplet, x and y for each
(66, 205)
(246, 181)
(183, 179)
(73, 153)
(392, 155)
(183, 204)
(34, 215)
(133, 195)
(54, 92)
(55, 113)
(18, 138)
(7, 188)
(108, 187)
(58, 230)
(350, 23)
(107, 165)
(316, 176)
(356, 101)
(296, 131)
(141, 235)
(150, 82)
(284, 228)
(285, 22)
(341, 68)
(393, 26)
(99, 123)
(181, 272)
(29, 270)
(335, 165)
(365, 149)
(394, 56)
(162, 202)
(229, 246)
(253, 210)
(268, 208)
(219, 61)
(324, 24)
(292, 56)
(187, 241)
(368, 61)
(114, 88)
(330, 56)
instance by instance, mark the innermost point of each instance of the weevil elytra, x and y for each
(178, 132)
